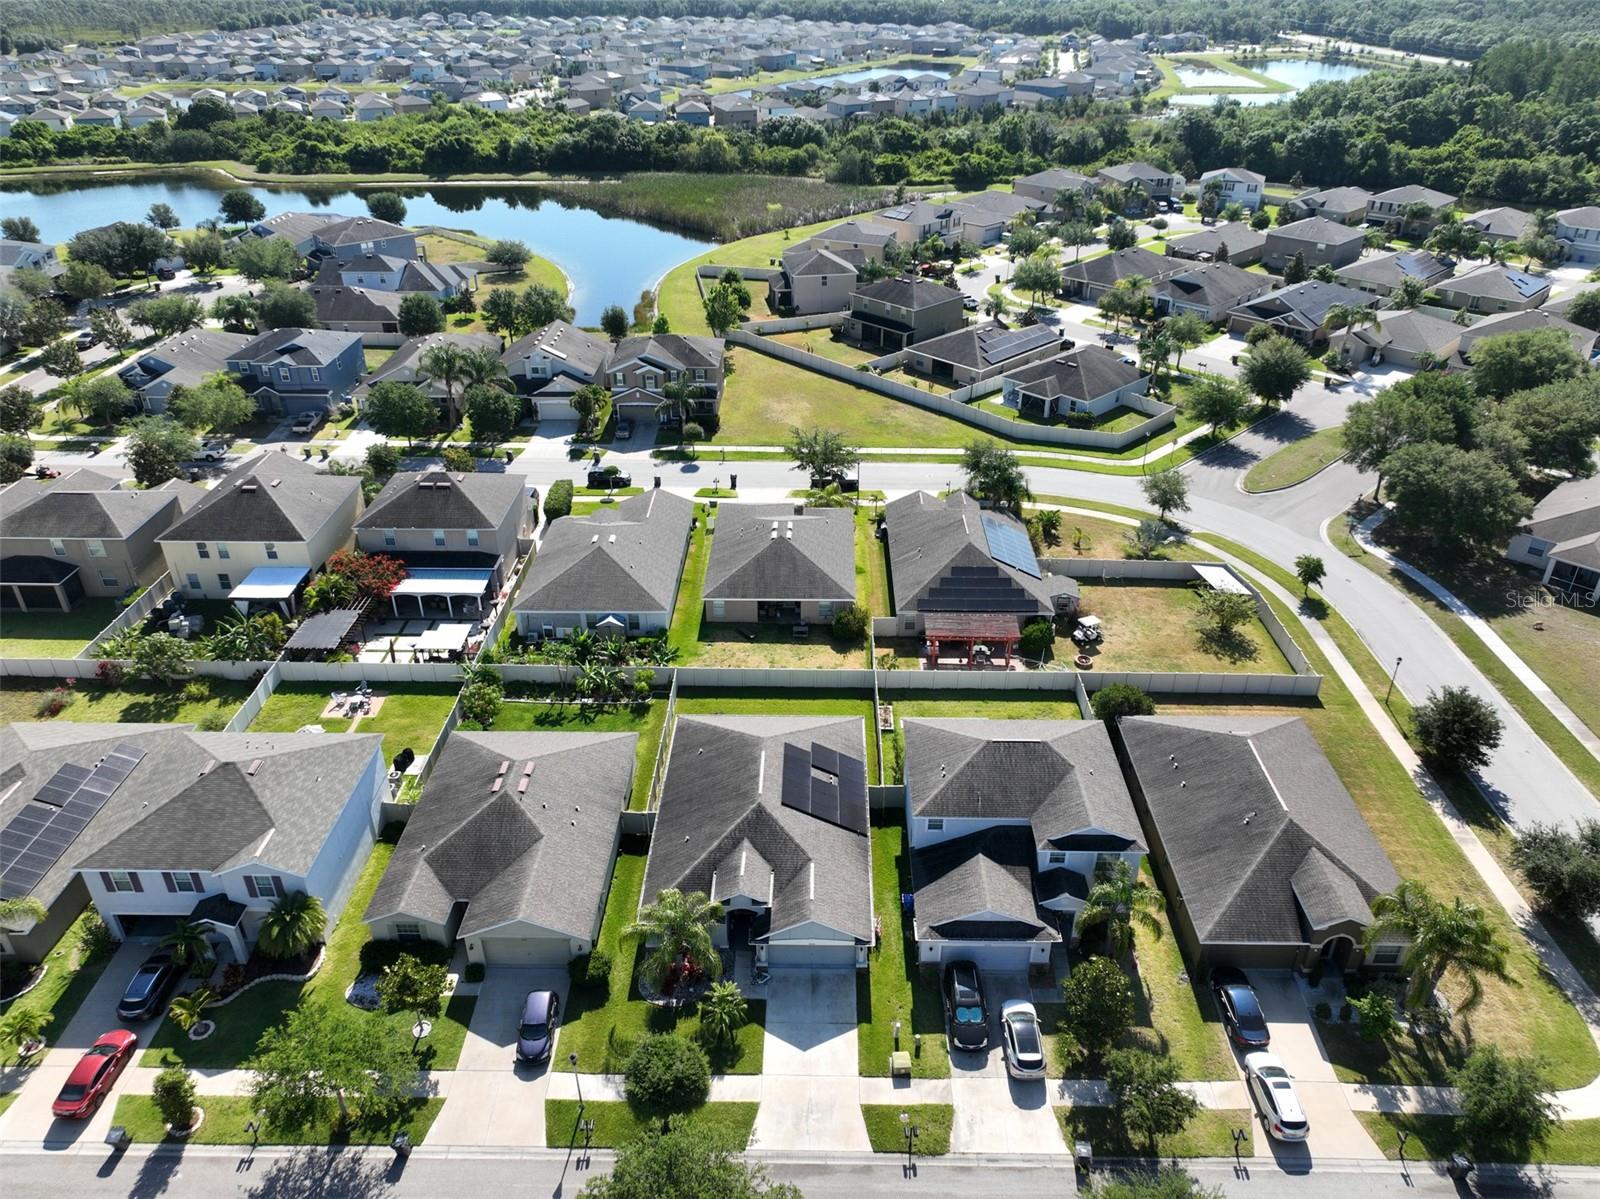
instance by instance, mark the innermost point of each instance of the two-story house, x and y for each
(382, 272)
(359, 236)
(641, 368)
(405, 364)
(290, 371)
(1391, 207)
(299, 229)
(157, 824)
(812, 279)
(1236, 185)
(261, 531)
(1578, 231)
(1156, 183)
(892, 314)
(1561, 539)
(182, 360)
(550, 364)
(28, 256)
(1011, 822)
(1317, 240)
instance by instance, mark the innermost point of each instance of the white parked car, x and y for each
(1273, 1093)
(213, 451)
(1022, 1040)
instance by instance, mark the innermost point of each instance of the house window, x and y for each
(272, 551)
(97, 548)
(407, 931)
(283, 374)
(222, 551)
(194, 583)
(438, 537)
(258, 885)
(107, 579)
(1058, 859)
(1386, 955)
(936, 825)
(700, 375)
(719, 609)
(200, 548)
(316, 375)
(57, 547)
(472, 537)
(184, 881)
(120, 880)
(388, 537)
(225, 582)
(825, 610)
(634, 623)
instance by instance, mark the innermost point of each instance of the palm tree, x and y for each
(995, 307)
(294, 925)
(679, 927)
(1449, 936)
(445, 363)
(24, 1025)
(20, 911)
(723, 1012)
(188, 1010)
(188, 943)
(1068, 204)
(675, 402)
(1120, 899)
(1351, 317)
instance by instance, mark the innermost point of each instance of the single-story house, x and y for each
(404, 365)
(1317, 240)
(984, 217)
(1346, 205)
(1300, 311)
(1585, 342)
(1048, 184)
(1089, 379)
(182, 360)
(1381, 274)
(1492, 288)
(978, 352)
(297, 228)
(1092, 278)
(1562, 538)
(767, 815)
(511, 847)
(1209, 290)
(1402, 338)
(374, 315)
(1244, 244)
(1501, 224)
(780, 562)
(1266, 860)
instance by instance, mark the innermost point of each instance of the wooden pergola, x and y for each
(964, 630)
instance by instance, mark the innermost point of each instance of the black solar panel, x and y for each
(63, 784)
(35, 838)
(796, 791)
(827, 784)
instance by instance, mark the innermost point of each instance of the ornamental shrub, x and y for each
(667, 1074)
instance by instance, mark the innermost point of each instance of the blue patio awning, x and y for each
(269, 583)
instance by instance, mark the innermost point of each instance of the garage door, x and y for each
(779, 954)
(526, 951)
(556, 410)
(988, 957)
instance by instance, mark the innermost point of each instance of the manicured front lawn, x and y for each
(1092, 537)
(411, 714)
(227, 1115)
(646, 719)
(895, 987)
(1435, 1138)
(616, 1123)
(932, 1122)
(69, 976)
(1297, 461)
(1209, 1134)
(710, 701)
(55, 634)
(1151, 626)
(129, 703)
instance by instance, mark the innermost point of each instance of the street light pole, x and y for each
(1392, 676)
(577, 1078)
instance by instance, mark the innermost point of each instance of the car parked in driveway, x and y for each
(95, 1074)
(536, 1031)
(1240, 1009)
(308, 421)
(624, 428)
(147, 991)
(1022, 1040)
(212, 451)
(964, 1008)
(1273, 1093)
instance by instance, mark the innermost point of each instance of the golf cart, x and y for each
(1088, 632)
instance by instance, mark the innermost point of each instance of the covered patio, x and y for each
(269, 587)
(33, 583)
(437, 591)
(324, 633)
(419, 641)
(969, 640)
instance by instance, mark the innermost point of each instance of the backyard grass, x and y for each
(1150, 626)
(129, 703)
(1435, 1138)
(227, 1115)
(712, 701)
(1297, 461)
(872, 566)
(824, 344)
(55, 634)
(240, 1024)
(895, 987)
(603, 1026)
(68, 979)
(689, 611)
(1209, 1134)
(376, 356)
(772, 646)
(645, 719)
(616, 1123)
(411, 714)
(442, 249)
(932, 1121)
(1173, 1014)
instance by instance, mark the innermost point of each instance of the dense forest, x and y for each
(1465, 28)
(1523, 127)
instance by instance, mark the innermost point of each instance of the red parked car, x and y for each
(95, 1074)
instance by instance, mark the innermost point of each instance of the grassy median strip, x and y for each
(1297, 461)
(616, 1123)
(887, 1134)
(227, 1115)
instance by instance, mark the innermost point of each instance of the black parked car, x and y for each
(536, 1031)
(1240, 1009)
(964, 1007)
(147, 991)
(609, 479)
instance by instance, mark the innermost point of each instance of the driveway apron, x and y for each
(994, 1112)
(810, 1089)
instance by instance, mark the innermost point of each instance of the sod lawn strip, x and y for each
(566, 715)
(1152, 626)
(411, 714)
(226, 1117)
(1209, 1134)
(127, 703)
(1435, 1138)
(69, 976)
(55, 634)
(616, 1123)
(887, 1133)
(1297, 461)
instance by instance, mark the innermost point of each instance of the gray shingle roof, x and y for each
(1498, 283)
(543, 856)
(1121, 264)
(186, 359)
(812, 556)
(1316, 231)
(1236, 235)
(583, 353)
(437, 499)
(1308, 303)
(104, 514)
(1084, 374)
(1255, 824)
(303, 347)
(1213, 284)
(1060, 776)
(358, 230)
(340, 305)
(723, 791)
(929, 538)
(908, 293)
(626, 558)
(269, 497)
(988, 345)
(1393, 269)
(401, 366)
(677, 351)
(980, 887)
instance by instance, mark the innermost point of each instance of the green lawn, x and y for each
(684, 632)
(1297, 461)
(709, 701)
(227, 1115)
(616, 1123)
(1173, 1014)
(1209, 1134)
(822, 342)
(931, 1120)
(411, 714)
(130, 703)
(1150, 625)
(1434, 1138)
(646, 719)
(241, 1023)
(895, 987)
(7, 1100)
(68, 979)
(872, 566)
(55, 634)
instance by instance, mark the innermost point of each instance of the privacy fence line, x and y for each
(133, 614)
(794, 324)
(1162, 416)
(256, 700)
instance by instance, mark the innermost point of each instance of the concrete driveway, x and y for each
(810, 1089)
(493, 1100)
(994, 1112)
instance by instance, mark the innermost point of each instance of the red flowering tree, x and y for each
(375, 576)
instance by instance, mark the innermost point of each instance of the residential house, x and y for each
(28, 256)
(1236, 185)
(380, 272)
(1090, 379)
(1091, 278)
(1300, 311)
(299, 229)
(1244, 244)
(1209, 290)
(1317, 240)
(1047, 185)
(290, 371)
(1501, 225)
(892, 314)
(984, 218)
(922, 220)
(1578, 231)
(1389, 207)
(1585, 342)
(358, 237)
(405, 364)
(812, 279)
(977, 352)
(1411, 339)
(1265, 858)
(1561, 539)
(867, 237)
(374, 316)
(82, 535)
(1342, 205)
(615, 571)
(767, 815)
(261, 531)
(1492, 288)
(182, 360)
(157, 824)
(642, 367)
(1156, 183)
(551, 364)
(784, 563)
(1011, 822)
(511, 847)
(1381, 274)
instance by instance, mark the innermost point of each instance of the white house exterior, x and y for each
(1578, 231)
(1237, 186)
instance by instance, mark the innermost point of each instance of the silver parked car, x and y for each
(1022, 1040)
(1274, 1096)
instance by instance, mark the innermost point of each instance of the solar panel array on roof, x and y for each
(1526, 285)
(998, 345)
(36, 837)
(1009, 544)
(824, 783)
(898, 214)
(977, 589)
